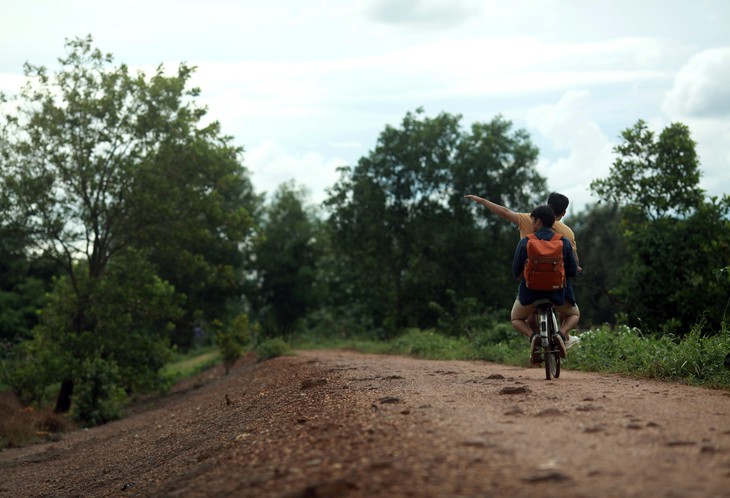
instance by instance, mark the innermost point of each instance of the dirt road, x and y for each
(334, 423)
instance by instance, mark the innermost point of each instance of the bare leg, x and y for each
(567, 324)
(522, 327)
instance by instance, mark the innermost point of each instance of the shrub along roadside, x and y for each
(695, 360)
(272, 348)
(21, 425)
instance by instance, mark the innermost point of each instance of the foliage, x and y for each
(675, 239)
(207, 223)
(272, 348)
(670, 276)
(23, 286)
(603, 253)
(466, 317)
(233, 339)
(656, 176)
(121, 337)
(98, 392)
(403, 231)
(98, 164)
(31, 368)
(285, 263)
(192, 362)
(428, 344)
(696, 359)
(333, 323)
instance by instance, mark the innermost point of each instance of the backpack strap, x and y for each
(556, 236)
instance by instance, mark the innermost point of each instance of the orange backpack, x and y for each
(544, 268)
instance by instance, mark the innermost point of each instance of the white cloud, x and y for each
(701, 88)
(423, 13)
(294, 82)
(700, 98)
(271, 165)
(581, 152)
(712, 137)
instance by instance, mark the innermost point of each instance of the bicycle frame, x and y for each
(548, 326)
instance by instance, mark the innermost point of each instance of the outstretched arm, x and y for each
(500, 211)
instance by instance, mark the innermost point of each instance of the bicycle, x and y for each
(548, 326)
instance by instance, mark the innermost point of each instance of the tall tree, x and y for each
(603, 252)
(657, 177)
(286, 260)
(400, 220)
(199, 238)
(101, 161)
(676, 238)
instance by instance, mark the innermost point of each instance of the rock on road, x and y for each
(339, 423)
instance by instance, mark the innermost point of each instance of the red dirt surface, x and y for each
(338, 423)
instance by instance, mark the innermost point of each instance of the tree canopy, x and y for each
(101, 166)
(676, 239)
(400, 220)
(657, 177)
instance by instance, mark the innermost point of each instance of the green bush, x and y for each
(695, 359)
(271, 348)
(98, 395)
(232, 339)
(463, 317)
(428, 344)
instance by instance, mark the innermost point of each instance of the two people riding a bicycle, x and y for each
(544, 262)
(547, 220)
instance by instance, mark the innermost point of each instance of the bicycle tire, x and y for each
(553, 320)
(551, 356)
(551, 365)
(548, 357)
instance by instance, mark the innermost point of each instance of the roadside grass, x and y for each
(696, 359)
(193, 362)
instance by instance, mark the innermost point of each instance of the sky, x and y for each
(305, 87)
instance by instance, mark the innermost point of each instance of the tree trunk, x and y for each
(63, 401)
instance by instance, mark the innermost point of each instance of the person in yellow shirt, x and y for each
(557, 201)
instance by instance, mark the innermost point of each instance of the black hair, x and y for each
(558, 202)
(545, 214)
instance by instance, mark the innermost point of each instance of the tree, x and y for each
(675, 238)
(286, 262)
(101, 166)
(200, 238)
(400, 221)
(655, 177)
(603, 253)
(24, 282)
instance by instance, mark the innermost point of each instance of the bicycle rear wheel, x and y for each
(551, 355)
(552, 364)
